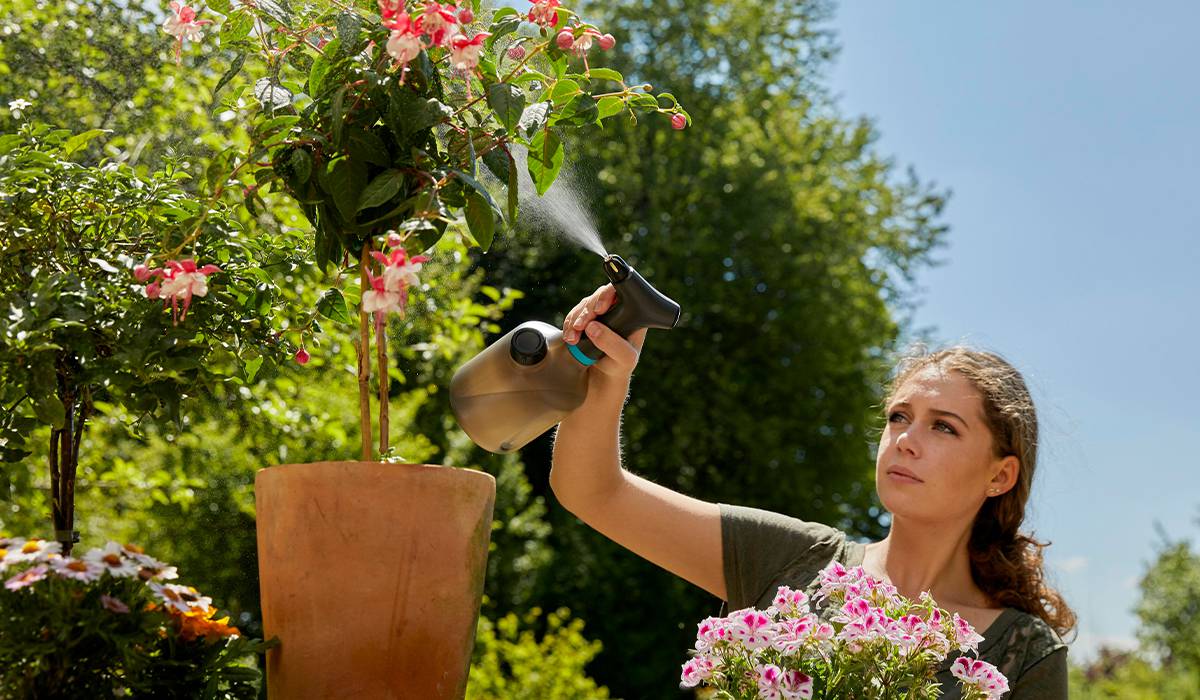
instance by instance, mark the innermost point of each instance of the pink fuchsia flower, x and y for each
(27, 577)
(302, 356)
(399, 270)
(179, 279)
(752, 628)
(404, 43)
(390, 10)
(465, 16)
(438, 22)
(696, 670)
(678, 122)
(183, 25)
(75, 569)
(981, 675)
(464, 52)
(606, 42)
(544, 12)
(112, 604)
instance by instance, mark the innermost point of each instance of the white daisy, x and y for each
(185, 599)
(113, 560)
(34, 550)
(76, 569)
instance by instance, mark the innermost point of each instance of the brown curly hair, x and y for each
(1005, 563)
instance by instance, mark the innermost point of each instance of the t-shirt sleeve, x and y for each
(758, 545)
(1045, 680)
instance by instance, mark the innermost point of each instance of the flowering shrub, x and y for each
(876, 643)
(111, 624)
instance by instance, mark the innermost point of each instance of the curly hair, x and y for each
(1006, 563)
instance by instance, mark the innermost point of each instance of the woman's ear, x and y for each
(1006, 473)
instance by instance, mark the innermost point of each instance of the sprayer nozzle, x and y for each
(616, 268)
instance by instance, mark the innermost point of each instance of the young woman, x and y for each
(954, 468)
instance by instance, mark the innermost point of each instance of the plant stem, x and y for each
(384, 381)
(364, 361)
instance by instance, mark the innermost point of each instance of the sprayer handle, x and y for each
(638, 306)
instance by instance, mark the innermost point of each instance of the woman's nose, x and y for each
(906, 443)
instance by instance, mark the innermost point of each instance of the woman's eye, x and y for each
(949, 428)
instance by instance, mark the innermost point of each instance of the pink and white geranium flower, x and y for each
(981, 675)
(696, 669)
(182, 24)
(752, 628)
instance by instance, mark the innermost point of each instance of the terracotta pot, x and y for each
(371, 577)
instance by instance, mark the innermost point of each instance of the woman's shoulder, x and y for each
(1021, 641)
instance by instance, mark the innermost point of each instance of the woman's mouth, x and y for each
(902, 475)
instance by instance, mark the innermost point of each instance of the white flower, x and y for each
(76, 569)
(34, 550)
(185, 599)
(18, 105)
(113, 560)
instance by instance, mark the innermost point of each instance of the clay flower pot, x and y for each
(371, 577)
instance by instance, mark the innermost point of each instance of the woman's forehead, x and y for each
(938, 385)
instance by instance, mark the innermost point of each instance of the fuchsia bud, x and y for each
(302, 356)
(141, 273)
(607, 41)
(678, 121)
(394, 240)
(517, 52)
(565, 39)
(152, 290)
(465, 16)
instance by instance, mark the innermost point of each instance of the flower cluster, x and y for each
(438, 24)
(389, 290)
(177, 280)
(113, 616)
(182, 24)
(789, 651)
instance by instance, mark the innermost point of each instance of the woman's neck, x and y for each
(917, 557)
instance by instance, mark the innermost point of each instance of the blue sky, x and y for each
(1067, 132)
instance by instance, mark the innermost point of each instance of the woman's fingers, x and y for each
(587, 309)
(621, 355)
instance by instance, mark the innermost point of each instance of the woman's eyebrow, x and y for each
(935, 411)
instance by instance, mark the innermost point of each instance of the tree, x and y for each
(1169, 609)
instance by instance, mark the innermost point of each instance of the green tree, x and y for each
(790, 243)
(1169, 608)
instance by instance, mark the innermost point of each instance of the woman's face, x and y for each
(935, 459)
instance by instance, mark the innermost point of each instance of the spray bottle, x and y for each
(530, 379)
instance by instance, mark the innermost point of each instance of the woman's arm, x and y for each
(677, 532)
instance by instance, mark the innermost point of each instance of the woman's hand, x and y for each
(621, 355)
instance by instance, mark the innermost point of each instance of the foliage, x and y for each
(1169, 608)
(510, 662)
(1129, 676)
(109, 624)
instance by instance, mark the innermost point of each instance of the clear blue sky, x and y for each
(1068, 134)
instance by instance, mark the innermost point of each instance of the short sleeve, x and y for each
(757, 546)
(1045, 680)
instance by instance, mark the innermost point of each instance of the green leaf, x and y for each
(345, 180)
(336, 113)
(508, 102)
(316, 76)
(301, 163)
(49, 409)
(252, 365)
(367, 146)
(381, 190)
(272, 95)
(496, 161)
(332, 305)
(501, 27)
(608, 106)
(545, 159)
(564, 91)
(533, 119)
(234, 68)
(236, 27)
(641, 99)
(478, 187)
(513, 190)
(349, 26)
(78, 141)
(481, 219)
(606, 74)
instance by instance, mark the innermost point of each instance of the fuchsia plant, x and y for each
(386, 151)
(182, 24)
(875, 643)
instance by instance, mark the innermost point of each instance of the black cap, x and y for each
(528, 346)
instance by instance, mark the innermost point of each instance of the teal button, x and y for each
(578, 354)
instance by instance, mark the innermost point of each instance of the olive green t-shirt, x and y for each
(764, 550)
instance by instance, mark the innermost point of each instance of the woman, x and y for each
(954, 468)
